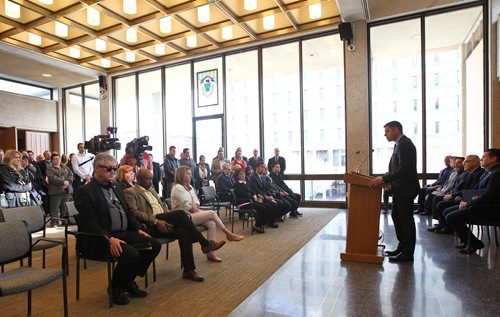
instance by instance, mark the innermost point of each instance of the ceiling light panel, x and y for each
(204, 13)
(61, 29)
(130, 6)
(12, 10)
(47, 2)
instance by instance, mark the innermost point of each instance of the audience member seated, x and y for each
(202, 174)
(252, 201)
(248, 172)
(469, 180)
(103, 210)
(238, 159)
(442, 178)
(147, 207)
(60, 189)
(286, 191)
(257, 184)
(447, 187)
(14, 182)
(125, 177)
(217, 164)
(183, 197)
(484, 206)
(255, 159)
(225, 183)
(2, 153)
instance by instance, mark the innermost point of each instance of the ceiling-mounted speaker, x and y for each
(345, 31)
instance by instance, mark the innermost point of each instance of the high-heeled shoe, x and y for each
(258, 230)
(234, 237)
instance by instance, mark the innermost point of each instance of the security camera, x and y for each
(351, 47)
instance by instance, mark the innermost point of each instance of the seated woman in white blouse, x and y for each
(183, 197)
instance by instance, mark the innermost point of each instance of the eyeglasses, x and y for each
(109, 168)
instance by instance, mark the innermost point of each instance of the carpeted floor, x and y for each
(245, 266)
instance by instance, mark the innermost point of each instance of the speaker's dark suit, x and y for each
(403, 178)
(95, 217)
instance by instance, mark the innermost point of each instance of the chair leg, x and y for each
(43, 258)
(496, 237)
(110, 289)
(166, 254)
(146, 279)
(29, 303)
(154, 270)
(77, 277)
(65, 295)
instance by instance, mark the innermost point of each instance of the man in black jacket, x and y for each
(402, 177)
(170, 165)
(257, 184)
(292, 197)
(279, 159)
(485, 206)
(103, 210)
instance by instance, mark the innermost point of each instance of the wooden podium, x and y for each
(362, 220)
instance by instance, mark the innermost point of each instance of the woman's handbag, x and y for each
(36, 198)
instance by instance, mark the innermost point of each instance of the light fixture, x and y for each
(131, 35)
(130, 6)
(74, 52)
(204, 13)
(269, 22)
(166, 25)
(191, 41)
(93, 16)
(12, 9)
(47, 2)
(130, 57)
(100, 45)
(47, 75)
(61, 29)
(34, 39)
(160, 49)
(315, 11)
(105, 63)
(250, 5)
(227, 32)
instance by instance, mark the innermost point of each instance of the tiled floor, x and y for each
(440, 282)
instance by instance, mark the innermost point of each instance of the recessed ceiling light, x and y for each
(250, 5)
(74, 52)
(130, 57)
(34, 39)
(93, 16)
(191, 41)
(160, 49)
(227, 32)
(61, 29)
(105, 63)
(47, 75)
(12, 9)
(131, 35)
(166, 25)
(204, 13)
(47, 2)
(100, 45)
(315, 11)
(130, 6)
(269, 22)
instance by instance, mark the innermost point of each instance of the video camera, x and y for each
(137, 147)
(103, 142)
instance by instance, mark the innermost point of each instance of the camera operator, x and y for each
(136, 155)
(145, 161)
(82, 166)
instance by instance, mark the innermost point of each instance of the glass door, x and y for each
(208, 132)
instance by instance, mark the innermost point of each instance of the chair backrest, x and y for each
(209, 192)
(15, 241)
(32, 215)
(72, 212)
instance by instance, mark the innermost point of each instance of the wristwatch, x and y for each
(156, 221)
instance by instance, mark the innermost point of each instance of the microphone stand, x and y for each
(363, 162)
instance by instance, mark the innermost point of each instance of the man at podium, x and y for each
(402, 177)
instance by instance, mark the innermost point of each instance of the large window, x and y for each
(281, 90)
(178, 107)
(150, 111)
(325, 122)
(125, 111)
(453, 90)
(242, 107)
(92, 111)
(25, 89)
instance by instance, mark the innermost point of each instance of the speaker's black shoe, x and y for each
(134, 291)
(298, 213)
(435, 228)
(445, 230)
(401, 258)
(392, 253)
(461, 246)
(273, 225)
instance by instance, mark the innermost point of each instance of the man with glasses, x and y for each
(103, 210)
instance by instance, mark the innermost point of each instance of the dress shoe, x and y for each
(134, 291)
(119, 297)
(392, 253)
(298, 213)
(435, 228)
(234, 237)
(426, 213)
(473, 248)
(401, 258)
(445, 230)
(212, 257)
(461, 246)
(258, 230)
(293, 215)
(418, 211)
(273, 225)
(212, 246)
(193, 276)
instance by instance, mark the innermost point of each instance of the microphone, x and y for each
(363, 162)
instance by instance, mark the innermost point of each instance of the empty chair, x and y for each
(211, 200)
(15, 244)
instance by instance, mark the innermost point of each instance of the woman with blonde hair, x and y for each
(14, 182)
(184, 197)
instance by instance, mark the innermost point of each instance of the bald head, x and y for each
(144, 178)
